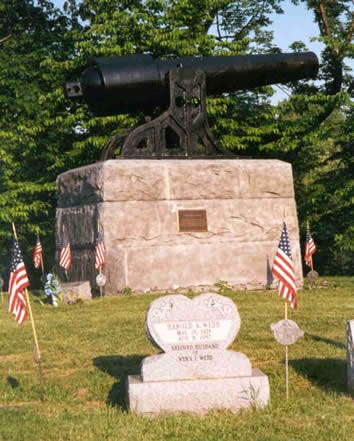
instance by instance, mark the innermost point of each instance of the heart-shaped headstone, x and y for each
(192, 330)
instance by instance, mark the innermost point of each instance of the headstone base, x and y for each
(197, 396)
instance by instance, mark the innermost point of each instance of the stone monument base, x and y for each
(199, 395)
(178, 224)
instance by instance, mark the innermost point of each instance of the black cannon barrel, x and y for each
(139, 83)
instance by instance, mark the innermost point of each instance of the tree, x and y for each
(31, 152)
(43, 134)
(322, 116)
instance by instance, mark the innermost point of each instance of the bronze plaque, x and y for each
(192, 221)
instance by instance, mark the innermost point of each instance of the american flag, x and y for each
(100, 250)
(17, 283)
(310, 247)
(37, 253)
(283, 269)
(65, 255)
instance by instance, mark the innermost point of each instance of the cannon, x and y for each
(176, 89)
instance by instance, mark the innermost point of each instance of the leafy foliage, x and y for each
(32, 142)
(43, 134)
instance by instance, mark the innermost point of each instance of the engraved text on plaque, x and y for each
(191, 221)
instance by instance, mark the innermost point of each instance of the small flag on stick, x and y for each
(17, 284)
(17, 291)
(99, 251)
(65, 255)
(283, 269)
(37, 253)
(310, 248)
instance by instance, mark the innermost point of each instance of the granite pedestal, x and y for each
(137, 206)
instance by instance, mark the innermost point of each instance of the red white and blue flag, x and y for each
(99, 251)
(17, 284)
(283, 269)
(37, 253)
(310, 247)
(65, 255)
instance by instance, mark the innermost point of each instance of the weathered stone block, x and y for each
(266, 179)
(80, 186)
(134, 180)
(76, 291)
(135, 204)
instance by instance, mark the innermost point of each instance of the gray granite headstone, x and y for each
(350, 356)
(194, 335)
(76, 291)
(196, 372)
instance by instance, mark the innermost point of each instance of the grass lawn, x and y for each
(88, 349)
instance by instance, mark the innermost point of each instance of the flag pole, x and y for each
(286, 372)
(286, 355)
(286, 346)
(100, 268)
(100, 272)
(38, 354)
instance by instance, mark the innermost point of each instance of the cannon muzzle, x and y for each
(139, 83)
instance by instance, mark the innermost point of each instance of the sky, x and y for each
(296, 24)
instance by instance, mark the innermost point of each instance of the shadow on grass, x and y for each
(118, 367)
(335, 343)
(12, 382)
(328, 373)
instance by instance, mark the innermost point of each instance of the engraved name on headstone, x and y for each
(194, 336)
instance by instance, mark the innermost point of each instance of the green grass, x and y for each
(88, 349)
